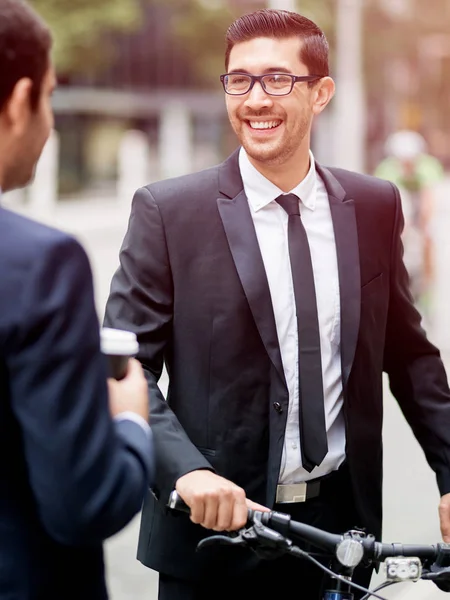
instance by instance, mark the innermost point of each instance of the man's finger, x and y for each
(444, 517)
(256, 506)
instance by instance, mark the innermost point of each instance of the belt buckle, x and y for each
(290, 493)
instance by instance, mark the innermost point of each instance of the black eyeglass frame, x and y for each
(254, 78)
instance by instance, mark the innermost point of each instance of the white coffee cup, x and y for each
(118, 346)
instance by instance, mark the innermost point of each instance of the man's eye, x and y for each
(279, 79)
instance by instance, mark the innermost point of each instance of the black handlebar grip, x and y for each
(176, 502)
(258, 515)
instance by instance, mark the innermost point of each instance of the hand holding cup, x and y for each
(118, 346)
(128, 390)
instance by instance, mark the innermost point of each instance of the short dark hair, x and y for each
(25, 43)
(282, 24)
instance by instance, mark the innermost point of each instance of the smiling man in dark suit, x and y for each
(70, 475)
(274, 291)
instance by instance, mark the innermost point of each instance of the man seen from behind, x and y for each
(70, 475)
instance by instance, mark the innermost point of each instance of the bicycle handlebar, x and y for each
(372, 550)
(270, 532)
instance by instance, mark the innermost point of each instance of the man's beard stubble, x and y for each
(271, 153)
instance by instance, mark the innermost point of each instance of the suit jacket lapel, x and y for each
(347, 248)
(241, 235)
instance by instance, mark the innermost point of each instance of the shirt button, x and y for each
(294, 446)
(277, 406)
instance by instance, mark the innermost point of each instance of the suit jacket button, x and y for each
(277, 406)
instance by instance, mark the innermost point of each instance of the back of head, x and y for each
(273, 23)
(25, 43)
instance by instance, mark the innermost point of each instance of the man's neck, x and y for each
(287, 175)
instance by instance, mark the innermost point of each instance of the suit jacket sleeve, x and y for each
(416, 372)
(87, 473)
(141, 300)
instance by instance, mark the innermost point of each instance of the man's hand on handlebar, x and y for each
(444, 517)
(215, 502)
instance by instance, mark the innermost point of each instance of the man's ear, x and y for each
(323, 92)
(18, 109)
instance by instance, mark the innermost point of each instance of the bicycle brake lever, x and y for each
(440, 576)
(243, 537)
(260, 538)
(222, 540)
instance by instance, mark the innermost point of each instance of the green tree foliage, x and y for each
(82, 29)
(201, 25)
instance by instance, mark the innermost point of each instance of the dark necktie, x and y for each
(313, 436)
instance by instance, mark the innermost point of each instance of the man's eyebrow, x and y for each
(268, 70)
(278, 70)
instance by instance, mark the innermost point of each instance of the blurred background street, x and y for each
(139, 100)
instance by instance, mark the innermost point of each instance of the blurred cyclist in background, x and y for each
(415, 173)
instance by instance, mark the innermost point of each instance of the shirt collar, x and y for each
(261, 192)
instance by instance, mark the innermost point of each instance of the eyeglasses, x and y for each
(274, 84)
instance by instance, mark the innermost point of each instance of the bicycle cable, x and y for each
(296, 550)
(383, 585)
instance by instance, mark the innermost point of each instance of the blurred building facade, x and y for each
(153, 86)
(407, 66)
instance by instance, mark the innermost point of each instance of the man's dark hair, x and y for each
(282, 24)
(25, 43)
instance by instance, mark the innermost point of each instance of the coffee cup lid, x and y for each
(118, 342)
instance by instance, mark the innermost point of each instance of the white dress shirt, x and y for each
(271, 225)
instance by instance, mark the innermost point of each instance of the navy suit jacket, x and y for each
(69, 475)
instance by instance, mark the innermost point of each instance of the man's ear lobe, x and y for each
(18, 107)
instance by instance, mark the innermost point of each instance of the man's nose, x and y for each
(258, 98)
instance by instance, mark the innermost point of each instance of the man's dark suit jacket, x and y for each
(69, 476)
(192, 285)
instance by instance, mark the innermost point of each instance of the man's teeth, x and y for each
(264, 124)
